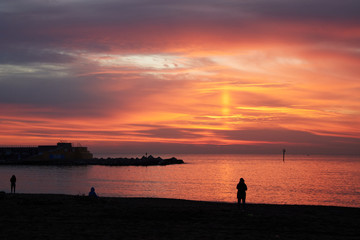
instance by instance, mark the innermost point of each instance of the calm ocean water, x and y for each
(310, 180)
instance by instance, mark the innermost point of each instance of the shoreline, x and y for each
(81, 195)
(54, 216)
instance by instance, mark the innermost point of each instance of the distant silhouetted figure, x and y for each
(241, 194)
(92, 193)
(13, 183)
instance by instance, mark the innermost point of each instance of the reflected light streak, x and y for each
(225, 102)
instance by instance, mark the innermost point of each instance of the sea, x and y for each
(299, 180)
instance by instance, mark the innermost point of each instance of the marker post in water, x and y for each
(284, 151)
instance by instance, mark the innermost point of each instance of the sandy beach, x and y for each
(37, 216)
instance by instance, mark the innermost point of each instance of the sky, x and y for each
(191, 76)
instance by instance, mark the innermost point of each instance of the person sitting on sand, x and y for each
(13, 183)
(241, 194)
(92, 193)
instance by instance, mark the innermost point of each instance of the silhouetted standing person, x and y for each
(241, 194)
(13, 183)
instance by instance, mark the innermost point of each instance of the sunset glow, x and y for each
(195, 76)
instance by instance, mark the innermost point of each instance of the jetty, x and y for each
(67, 154)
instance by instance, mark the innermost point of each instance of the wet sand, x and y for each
(37, 216)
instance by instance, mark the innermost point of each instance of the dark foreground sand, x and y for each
(24, 216)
